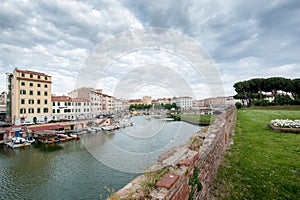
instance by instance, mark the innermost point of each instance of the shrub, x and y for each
(238, 105)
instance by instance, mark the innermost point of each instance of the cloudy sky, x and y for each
(72, 41)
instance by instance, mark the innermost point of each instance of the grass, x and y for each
(195, 118)
(261, 164)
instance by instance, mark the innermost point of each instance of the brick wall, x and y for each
(191, 167)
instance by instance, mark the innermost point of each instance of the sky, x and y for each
(197, 48)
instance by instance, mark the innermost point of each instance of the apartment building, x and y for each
(98, 101)
(65, 107)
(184, 103)
(29, 96)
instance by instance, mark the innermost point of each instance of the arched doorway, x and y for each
(35, 120)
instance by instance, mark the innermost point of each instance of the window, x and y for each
(38, 110)
(53, 110)
(69, 104)
(45, 101)
(31, 75)
(39, 77)
(38, 101)
(45, 86)
(39, 85)
(22, 111)
(30, 101)
(30, 110)
(23, 75)
(22, 92)
(31, 84)
(58, 103)
(38, 93)
(53, 103)
(46, 93)
(22, 101)
(45, 110)
(58, 111)
(46, 78)
(23, 83)
(31, 92)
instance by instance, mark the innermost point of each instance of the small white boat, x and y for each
(108, 128)
(18, 142)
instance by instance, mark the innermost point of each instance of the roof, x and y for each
(61, 98)
(45, 127)
(80, 100)
(31, 72)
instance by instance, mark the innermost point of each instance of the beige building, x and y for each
(30, 96)
(146, 100)
(215, 102)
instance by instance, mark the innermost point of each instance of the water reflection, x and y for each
(80, 169)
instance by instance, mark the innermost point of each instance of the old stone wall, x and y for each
(190, 168)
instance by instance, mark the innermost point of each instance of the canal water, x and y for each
(88, 168)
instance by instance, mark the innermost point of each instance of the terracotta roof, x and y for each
(61, 98)
(32, 72)
(80, 100)
(45, 127)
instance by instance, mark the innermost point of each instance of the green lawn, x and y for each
(196, 118)
(261, 164)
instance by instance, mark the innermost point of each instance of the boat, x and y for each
(108, 128)
(63, 137)
(74, 136)
(18, 142)
(30, 140)
(91, 130)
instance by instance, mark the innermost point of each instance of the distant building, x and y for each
(108, 104)
(135, 101)
(214, 102)
(99, 103)
(3, 102)
(146, 100)
(29, 95)
(164, 101)
(3, 98)
(65, 107)
(120, 104)
(183, 103)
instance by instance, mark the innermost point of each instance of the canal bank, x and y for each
(186, 171)
(83, 169)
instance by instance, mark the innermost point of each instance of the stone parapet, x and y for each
(190, 168)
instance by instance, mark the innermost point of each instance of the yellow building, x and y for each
(30, 97)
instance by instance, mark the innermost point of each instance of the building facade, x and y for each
(30, 97)
(146, 100)
(65, 107)
(183, 103)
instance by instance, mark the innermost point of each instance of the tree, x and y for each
(274, 84)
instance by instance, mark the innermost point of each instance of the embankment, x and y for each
(185, 172)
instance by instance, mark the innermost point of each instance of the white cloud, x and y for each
(245, 39)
